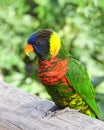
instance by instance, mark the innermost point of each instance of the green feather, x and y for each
(80, 81)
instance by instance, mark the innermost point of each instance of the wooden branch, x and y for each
(22, 111)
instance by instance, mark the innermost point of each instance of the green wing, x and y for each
(80, 81)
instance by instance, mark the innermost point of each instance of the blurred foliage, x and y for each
(80, 23)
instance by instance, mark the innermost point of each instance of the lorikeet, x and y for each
(64, 77)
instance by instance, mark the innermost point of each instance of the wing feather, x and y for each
(80, 81)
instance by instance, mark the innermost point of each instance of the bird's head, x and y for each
(45, 43)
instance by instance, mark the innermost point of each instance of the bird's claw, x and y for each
(50, 113)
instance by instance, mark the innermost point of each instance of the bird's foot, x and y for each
(51, 112)
(56, 110)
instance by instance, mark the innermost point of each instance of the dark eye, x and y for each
(38, 42)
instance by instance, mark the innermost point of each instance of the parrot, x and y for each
(64, 77)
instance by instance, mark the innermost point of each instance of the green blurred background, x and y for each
(80, 23)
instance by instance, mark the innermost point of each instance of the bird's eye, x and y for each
(38, 42)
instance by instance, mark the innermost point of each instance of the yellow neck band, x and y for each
(55, 44)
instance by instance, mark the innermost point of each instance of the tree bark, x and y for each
(20, 110)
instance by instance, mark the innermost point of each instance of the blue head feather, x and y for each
(32, 38)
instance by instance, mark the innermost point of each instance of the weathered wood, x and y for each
(22, 111)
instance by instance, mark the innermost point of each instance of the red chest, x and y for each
(52, 71)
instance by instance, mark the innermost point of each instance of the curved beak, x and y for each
(28, 49)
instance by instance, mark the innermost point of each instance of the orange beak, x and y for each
(28, 49)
